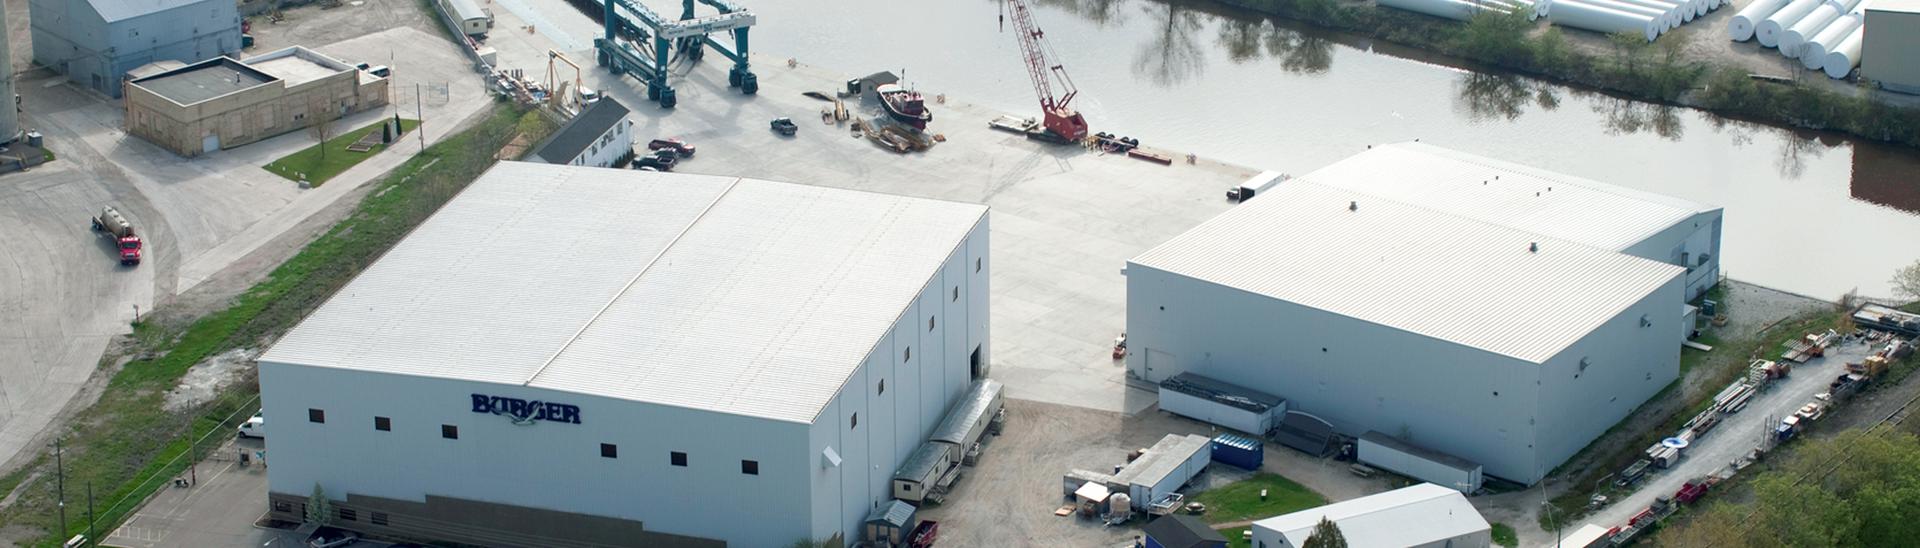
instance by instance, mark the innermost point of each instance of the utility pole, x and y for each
(60, 482)
(421, 113)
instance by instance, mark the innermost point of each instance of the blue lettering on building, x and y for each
(526, 412)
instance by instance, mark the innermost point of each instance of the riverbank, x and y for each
(1662, 72)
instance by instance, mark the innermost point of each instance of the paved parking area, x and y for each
(62, 295)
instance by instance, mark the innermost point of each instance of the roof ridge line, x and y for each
(630, 282)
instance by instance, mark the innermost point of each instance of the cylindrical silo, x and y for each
(1813, 54)
(1814, 22)
(1845, 55)
(1584, 14)
(1770, 30)
(9, 115)
(1741, 27)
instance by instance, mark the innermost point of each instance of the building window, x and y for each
(678, 458)
(609, 450)
(956, 293)
(909, 355)
(908, 487)
(449, 431)
(976, 265)
(282, 506)
(383, 424)
(855, 422)
(349, 514)
(883, 386)
(930, 323)
(378, 518)
(317, 415)
(750, 467)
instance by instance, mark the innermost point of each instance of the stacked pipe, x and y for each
(1822, 34)
(1649, 18)
(1461, 10)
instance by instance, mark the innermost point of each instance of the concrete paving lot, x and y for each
(63, 297)
(220, 510)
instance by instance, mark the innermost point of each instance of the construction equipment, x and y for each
(110, 224)
(1060, 120)
(570, 94)
(640, 44)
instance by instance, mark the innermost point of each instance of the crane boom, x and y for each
(1060, 118)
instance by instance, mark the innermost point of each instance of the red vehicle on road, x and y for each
(924, 534)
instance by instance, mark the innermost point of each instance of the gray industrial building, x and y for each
(96, 42)
(1890, 47)
(1497, 313)
(577, 356)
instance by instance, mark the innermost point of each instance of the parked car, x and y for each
(331, 537)
(677, 146)
(255, 427)
(659, 162)
(785, 126)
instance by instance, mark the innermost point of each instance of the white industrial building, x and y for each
(1421, 516)
(1889, 39)
(571, 356)
(1384, 293)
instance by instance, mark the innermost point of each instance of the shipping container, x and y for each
(1407, 459)
(1217, 402)
(1165, 467)
(1238, 450)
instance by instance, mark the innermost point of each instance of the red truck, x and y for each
(1691, 491)
(110, 224)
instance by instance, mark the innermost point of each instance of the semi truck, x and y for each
(110, 224)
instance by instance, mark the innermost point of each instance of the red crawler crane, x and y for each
(1060, 118)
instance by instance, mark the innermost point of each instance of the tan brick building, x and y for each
(223, 103)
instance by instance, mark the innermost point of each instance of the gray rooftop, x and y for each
(973, 407)
(1163, 458)
(582, 131)
(921, 461)
(203, 80)
(894, 513)
(1222, 392)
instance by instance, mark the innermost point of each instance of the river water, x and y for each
(1815, 214)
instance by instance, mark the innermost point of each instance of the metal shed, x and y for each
(1218, 402)
(968, 421)
(926, 470)
(1164, 468)
(889, 523)
(1403, 457)
(1305, 432)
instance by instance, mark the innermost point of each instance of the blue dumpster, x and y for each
(1239, 450)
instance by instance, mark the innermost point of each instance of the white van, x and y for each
(255, 427)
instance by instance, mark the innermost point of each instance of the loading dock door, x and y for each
(210, 143)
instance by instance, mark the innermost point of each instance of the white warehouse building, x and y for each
(573, 356)
(1432, 295)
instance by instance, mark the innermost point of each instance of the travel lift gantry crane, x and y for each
(1059, 118)
(690, 33)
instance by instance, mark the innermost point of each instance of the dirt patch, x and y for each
(205, 380)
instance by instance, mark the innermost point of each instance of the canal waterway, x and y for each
(1816, 214)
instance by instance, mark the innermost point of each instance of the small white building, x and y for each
(600, 136)
(1421, 516)
(1376, 304)
(571, 356)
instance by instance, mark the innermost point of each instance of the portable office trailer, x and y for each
(967, 422)
(922, 472)
(1208, 400)
(1402, 457)
(473, 20)
(1165, 467)
(1239, 450)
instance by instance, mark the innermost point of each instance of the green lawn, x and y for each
(1504, 535)
(338, 158)
(1236, 537)
(129, 444)
(1240, 500)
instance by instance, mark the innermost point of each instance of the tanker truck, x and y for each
(112, 225)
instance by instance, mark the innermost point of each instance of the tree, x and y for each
(319, 509)
(1325, 535)
(320, 116)
(1906, 281)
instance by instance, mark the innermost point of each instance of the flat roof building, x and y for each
(577, 355)
(1424, 515)
(1503, 345)
(223, 103)
(97, 42)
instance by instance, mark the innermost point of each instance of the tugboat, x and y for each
(904, 105)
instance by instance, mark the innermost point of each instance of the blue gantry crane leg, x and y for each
(691, 31)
